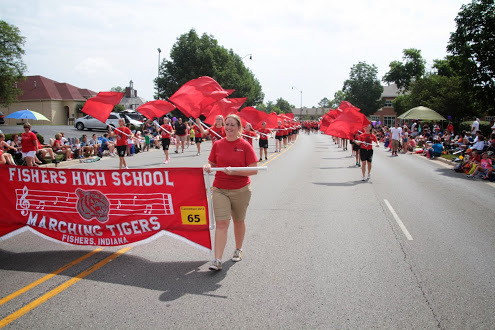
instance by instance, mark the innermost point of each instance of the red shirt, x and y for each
(251, 135)
(220, 131)
(121, 137)
(280, 131)
(368, 138)
(238, 153)
(169, 128)
(29, 141)
(197, 132)
(265, 131)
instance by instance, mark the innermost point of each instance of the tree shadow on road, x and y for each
(174, 279)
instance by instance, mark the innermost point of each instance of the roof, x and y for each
(42, 88)
(390, 91)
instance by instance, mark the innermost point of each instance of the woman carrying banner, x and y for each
(122, 133)
(231, 190)
(366, 150)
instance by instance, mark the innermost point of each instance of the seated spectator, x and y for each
(485, 167)
(435, 150)
(93, 142)
(106, 144)
(16, 143)
(86, 149)
(60, 148)
(4, 147)
(480, 144)
(43, 151)
(76, 149)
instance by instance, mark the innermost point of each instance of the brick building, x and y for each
(57, 101)
(386, 115)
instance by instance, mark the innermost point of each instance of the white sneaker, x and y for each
(237, 255)
(216, 265)
(369, 176)
(126, 167)
(363, 179)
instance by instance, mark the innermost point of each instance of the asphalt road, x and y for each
(322, 250)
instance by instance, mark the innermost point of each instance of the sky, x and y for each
(296, 46)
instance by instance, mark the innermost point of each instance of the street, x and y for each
(413, 247)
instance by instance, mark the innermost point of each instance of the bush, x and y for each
(485, 127)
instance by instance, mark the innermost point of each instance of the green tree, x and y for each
(363, 89)
(324, 103)
(338, 97)
(284, 105)
(444, 94)
(403, 74)
(117, 89)
(12, 67)
(473, 44)
(192, 57)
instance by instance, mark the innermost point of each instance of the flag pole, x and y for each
(261, 168)
(209, 196)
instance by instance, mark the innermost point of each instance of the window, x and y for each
(389, 121)
(388, 104)
(375, 118)
(489, 118)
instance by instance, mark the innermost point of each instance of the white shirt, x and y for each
(396, 133)
(475, 127)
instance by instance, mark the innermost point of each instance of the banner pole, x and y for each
(262, 168)
(209, 197)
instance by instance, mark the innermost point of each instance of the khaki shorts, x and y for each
(395, 144)
(181, 138)
(231, 202)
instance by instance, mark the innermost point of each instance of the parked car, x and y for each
(133, 115)
(89, 123)
(2, 118)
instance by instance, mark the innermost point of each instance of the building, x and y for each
(57, 101)
(309, 113)
(386, 115)
(131, 100)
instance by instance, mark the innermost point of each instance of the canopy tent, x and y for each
(422, 113)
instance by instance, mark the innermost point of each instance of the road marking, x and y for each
(47, 277)
(399, 222)
(272, 157)
(50, 294)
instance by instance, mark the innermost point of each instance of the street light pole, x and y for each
(300, 115)
(250, 56)
(158, 75)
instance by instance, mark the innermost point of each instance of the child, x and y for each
(485, 166)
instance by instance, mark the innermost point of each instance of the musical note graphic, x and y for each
(120, 204)
(23, 202)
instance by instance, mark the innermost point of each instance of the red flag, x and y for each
(347, 105)
(325, 121)
(106, 207)
(195, 95)
(290, 115)
(271, 120)
(347, 124)
(102, 104)
(253, 116)
(222, 107)
(155, 109)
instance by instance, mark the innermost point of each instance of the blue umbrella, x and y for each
(27, 114)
